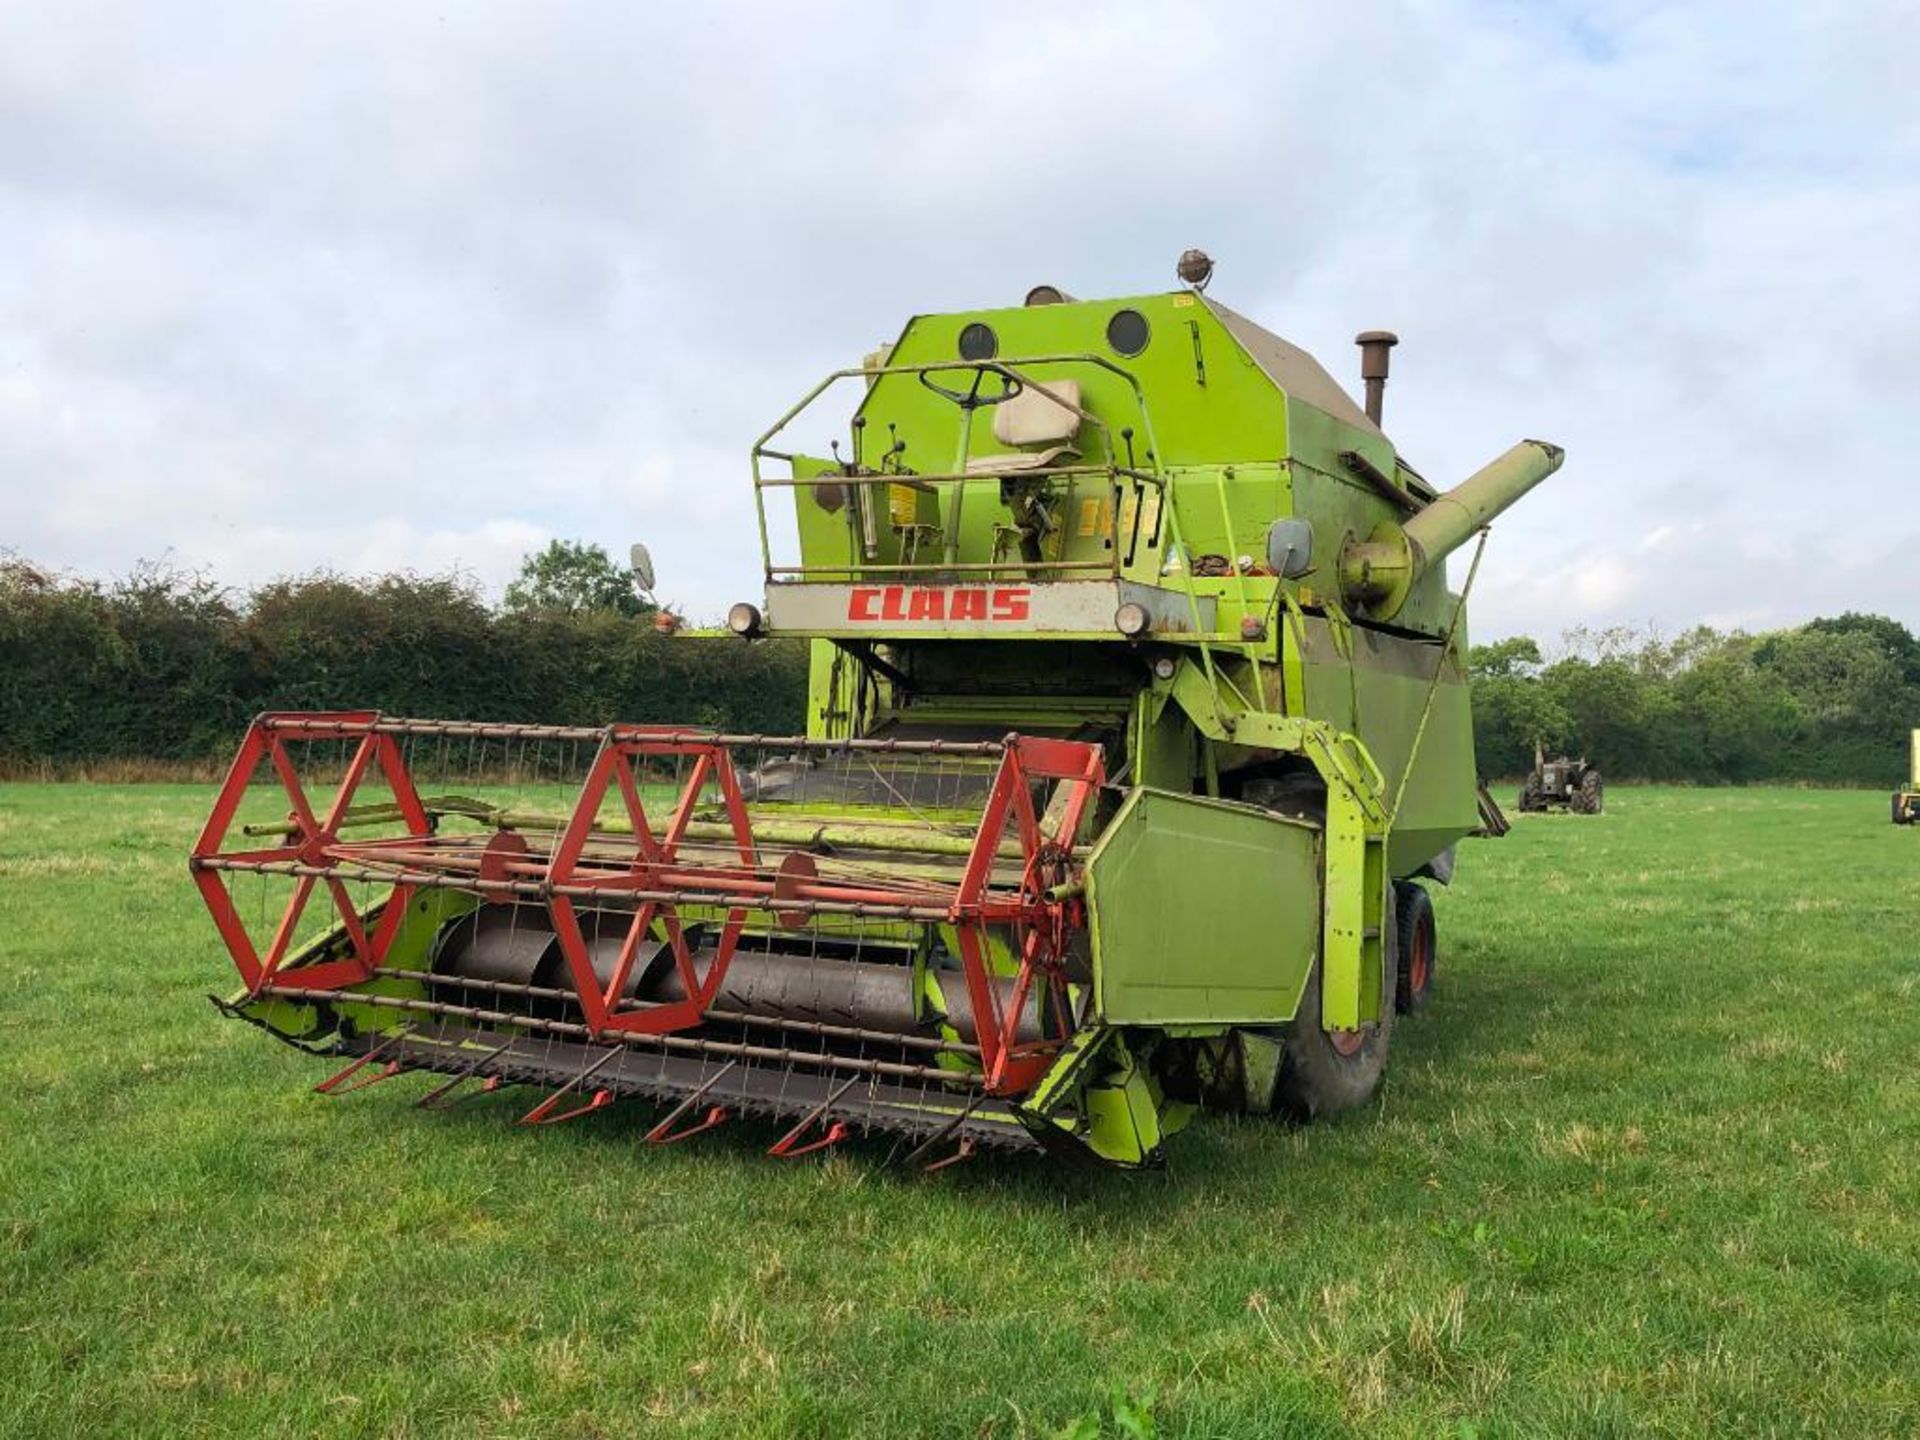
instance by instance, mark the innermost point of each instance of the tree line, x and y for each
(169, 666)
(1830, 702)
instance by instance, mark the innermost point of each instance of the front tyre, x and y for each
(1324, 1072)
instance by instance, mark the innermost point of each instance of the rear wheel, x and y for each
(1416, 935)
(1326, 1071)
(1586, 800)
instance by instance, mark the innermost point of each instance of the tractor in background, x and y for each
(1561, 783)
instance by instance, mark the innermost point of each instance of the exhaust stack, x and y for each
(1374, 345)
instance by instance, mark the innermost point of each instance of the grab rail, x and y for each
(1013, 379)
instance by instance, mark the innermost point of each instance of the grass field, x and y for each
(1648, 1166)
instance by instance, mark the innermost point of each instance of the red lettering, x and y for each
(1010, 604)
(868, 604)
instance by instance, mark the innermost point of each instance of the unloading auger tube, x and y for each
(1377, 573)
(1137, 729)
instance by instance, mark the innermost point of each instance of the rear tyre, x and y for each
(1322, 1072)
(1416, 937)
(1588, 798)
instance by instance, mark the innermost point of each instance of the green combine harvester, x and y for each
(1138, 717)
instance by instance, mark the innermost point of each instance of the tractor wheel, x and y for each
(1414, 932)
(1324, 1072)
(1532, 796)
(1587, 799)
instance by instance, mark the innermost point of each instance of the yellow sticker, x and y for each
(1181, 302)
(1090, 517)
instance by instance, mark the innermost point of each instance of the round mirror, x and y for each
(1290, 548)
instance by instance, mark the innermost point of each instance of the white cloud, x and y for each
(355, 285)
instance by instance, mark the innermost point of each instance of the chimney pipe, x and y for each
(1374, 345)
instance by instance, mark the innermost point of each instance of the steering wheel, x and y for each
(972, 398)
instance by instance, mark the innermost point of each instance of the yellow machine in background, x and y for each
(1906, 803)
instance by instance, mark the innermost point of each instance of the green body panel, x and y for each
(1102, 1096)
(1236, 415)
(1381, 692)
(1202, 911)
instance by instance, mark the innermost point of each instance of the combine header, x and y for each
(1138, 712)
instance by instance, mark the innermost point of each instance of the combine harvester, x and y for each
(1138, 711)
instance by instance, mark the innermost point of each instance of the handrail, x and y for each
(1114, 470)
(1166, 529)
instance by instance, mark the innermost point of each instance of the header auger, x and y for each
(1137, 712)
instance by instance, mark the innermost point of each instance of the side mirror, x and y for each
(1290, 548)
(640, 561)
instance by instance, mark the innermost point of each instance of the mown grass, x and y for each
(1648, 1165)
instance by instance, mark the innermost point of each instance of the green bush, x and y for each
(168, 666)
(1830, 702)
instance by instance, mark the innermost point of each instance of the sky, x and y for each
(377, 286)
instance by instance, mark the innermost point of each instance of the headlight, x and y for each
(744, 619)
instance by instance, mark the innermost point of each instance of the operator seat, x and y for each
(1033, 419)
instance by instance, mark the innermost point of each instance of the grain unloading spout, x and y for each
(1377, 573)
